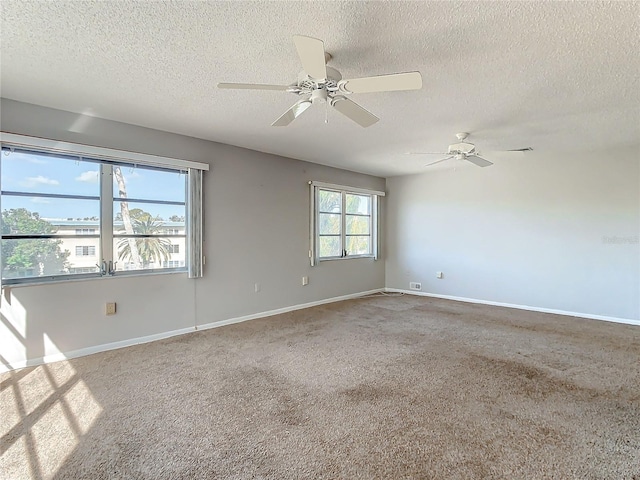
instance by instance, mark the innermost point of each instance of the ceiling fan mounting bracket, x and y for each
(462, 136)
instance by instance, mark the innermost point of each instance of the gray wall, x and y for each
(554, 231)
(256, 231)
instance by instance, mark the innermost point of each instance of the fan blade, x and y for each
(354, 111)
(528, 149)
(501, 153)
(385, 83)
(439, 161)
(426, 153)
(294, 112)
(311, 53)
(479, 161)
(253, 86)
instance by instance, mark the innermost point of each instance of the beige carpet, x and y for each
(383, 387)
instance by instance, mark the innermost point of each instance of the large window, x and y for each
(344, 222)
(73, 215)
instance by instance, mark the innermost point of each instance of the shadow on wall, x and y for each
(18, 340)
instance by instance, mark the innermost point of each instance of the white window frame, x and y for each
(375, 195)
(106, 157)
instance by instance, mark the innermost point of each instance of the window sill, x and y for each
(57, 280)
(349, 257)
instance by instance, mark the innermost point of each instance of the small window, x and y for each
(345, 223)
(174, 248)
(85, 251)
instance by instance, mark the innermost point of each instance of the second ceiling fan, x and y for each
(465, 151)
(319, 83)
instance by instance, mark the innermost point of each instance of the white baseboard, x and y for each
(278, 311)
(159, 336)
(605, 318)
(56, 357)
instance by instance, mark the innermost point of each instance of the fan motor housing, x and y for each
(462, 148)
(308, 84)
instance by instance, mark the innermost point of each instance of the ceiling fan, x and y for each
(319, 83)
(465, 151)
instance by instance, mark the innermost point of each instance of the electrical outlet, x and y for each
(111, 308)
(305, 281)
(256, 287)
(439, 275)
(415, 286)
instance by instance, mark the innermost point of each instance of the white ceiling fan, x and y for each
(319, 83)
(465, 151)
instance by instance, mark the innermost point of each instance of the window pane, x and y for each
(148, 184)
(360, 204)
(329, 246)
(41, 173)
(149, 218)
(329, 201)
(149, 253)
(30, 215)
(358, 225)
(358, 245)
(40, 257)
(329, 224)
(63, 214)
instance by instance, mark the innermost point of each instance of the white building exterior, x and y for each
(84, 253)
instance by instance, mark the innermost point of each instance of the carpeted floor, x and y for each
(383, 387)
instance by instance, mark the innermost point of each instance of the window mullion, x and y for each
(373, 227)
(343, 237)
(315, 225)
(106, 213)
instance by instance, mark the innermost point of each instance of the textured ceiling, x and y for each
(555, 76)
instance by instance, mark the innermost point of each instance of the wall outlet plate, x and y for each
(415, 285)
(110, 308)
